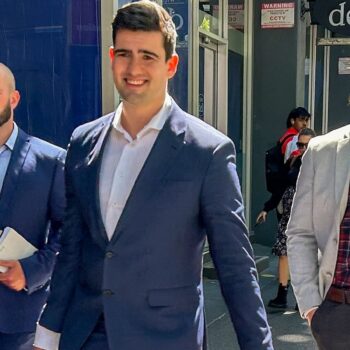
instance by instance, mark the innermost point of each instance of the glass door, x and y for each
(330, 95)
(339, 86)
(208, 66)
(207, 100)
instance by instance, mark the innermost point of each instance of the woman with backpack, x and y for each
(297, 120)
(279, 249)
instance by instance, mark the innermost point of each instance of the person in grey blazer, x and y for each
(145, 186)
(319, 239)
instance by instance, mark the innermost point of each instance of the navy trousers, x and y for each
(16, 341)
(98, 338)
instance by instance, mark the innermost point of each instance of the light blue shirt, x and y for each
(6, 152)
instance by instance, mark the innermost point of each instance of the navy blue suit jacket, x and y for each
(148, 279)
(32, 202)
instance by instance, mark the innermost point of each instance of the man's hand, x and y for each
(261, 217)
(14, 277)
(36, 348)
(309, 316)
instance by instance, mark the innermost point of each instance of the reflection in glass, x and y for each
(236, 14)
(209, 11)
(178, 85)
(235, 78)
(207, 85)
(319, 84)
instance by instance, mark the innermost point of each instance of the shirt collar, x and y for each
(156, 123)
(10, 143)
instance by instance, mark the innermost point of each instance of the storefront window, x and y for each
(209, 16)
(178, 86)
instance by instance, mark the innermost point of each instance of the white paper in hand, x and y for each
(14, 246)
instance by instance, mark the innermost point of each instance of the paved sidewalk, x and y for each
(289, 331)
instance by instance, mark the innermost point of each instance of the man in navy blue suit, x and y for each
(32, 203)
(145, 186)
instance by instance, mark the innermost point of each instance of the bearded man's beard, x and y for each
(5, 114)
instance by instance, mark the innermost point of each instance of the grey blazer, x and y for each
(318, 208)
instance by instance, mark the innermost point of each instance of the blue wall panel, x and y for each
(178, 86)
(53, 49)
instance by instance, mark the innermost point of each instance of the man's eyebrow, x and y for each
(121, 50)
(150, 53)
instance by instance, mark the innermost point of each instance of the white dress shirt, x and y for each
(122, 161)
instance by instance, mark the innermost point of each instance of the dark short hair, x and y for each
(147, 16)
(299, 112)
(307, 132)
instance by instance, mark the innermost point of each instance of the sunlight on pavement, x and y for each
(294, 338)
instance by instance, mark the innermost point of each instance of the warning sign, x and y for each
(277, 15)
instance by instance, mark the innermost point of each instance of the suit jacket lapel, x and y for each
(342, 173)
(167, 146)
(19, 154)
(92, 173)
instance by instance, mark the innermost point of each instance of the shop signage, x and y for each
(277, 15)
(333, 14)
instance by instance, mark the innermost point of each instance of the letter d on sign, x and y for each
(341, 12)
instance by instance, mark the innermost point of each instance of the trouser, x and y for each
(330, 326)
(16, 341)
(97, 340)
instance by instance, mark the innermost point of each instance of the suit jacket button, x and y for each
(107, 292)
(109, 255)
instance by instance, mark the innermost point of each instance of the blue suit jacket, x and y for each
(148, 279)
(32, 202)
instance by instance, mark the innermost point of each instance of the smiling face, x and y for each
(140, 69)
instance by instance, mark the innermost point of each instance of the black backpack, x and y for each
(275, 170)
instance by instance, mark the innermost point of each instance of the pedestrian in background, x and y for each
(300, 119)
(297, 120)
(280, 247)
(319, 239)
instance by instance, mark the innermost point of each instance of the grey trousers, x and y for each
(16, 341)
(330, 326)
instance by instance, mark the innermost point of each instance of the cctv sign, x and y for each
(334, 15)
(277, 15)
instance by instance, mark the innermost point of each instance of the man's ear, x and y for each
(111, 53)
(14, 99)
(173, 61)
